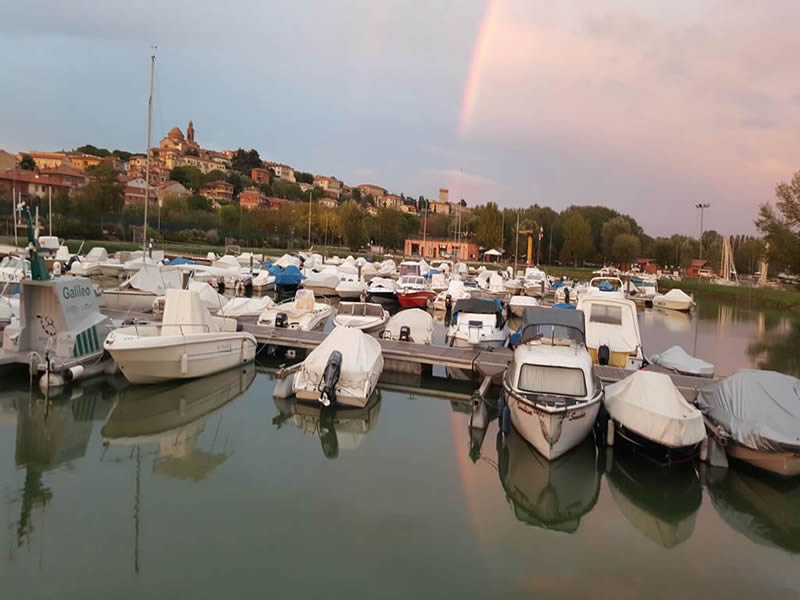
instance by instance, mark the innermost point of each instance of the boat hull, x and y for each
(132, 300)
(155, 359)
(321, 290)
(672, 304)
(632, 441)
(372, 327)
(785, 464)
(419, 299)
(552, 433)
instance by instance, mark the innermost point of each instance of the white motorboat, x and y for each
(90, 265)
(368, 271)
(674, 300)
(387, 268)
(678, 360)
(288, 260)
(344, 369)
(455, 290)
(755, 416)
(410, 267)
(351, 287)
(612, 330)
(382, 290)
(247, 308)
(413, 291)
(518, 304)
(9, 308)
(322, 283)
(647, 412)
(535, 282)
(438, 282)
(264, 281)
(249, 259)
(369, 317)
(478, 322)
(209, 297)
(137, 293)
(303, 312)
(550, 393)
(563, 292)
(14, 269)
(410, 325)
(189, 343)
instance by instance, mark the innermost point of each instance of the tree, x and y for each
(664, 252)
(578, 240)
(198, 202)
(27, 163)
(190, 177)
(488, 226)
(609, 232)
(93, 150)
(245, 161)
(122, 155)
(303, 177)
(625, 248)
(351, 216)
(103, 192)
(781, 225)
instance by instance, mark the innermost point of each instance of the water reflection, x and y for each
(778, 351)
(660, 502)
(338, 427)
(762, 508)
(50, 434)
(548, 494)
(173, 416)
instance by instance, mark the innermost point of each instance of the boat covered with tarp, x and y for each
(677, 359)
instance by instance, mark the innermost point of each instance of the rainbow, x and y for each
(486, 34)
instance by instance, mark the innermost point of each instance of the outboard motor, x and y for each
(330, 377)
(281, 320)
(566, 295)
(248, 288)
(363, 297)
(603, 355)
(405, 333)
(221, 285)
(448, 309)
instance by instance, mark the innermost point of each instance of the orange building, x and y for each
(252, 198)
(260, 175)
(441, 249)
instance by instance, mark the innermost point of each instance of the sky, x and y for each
(644, 107)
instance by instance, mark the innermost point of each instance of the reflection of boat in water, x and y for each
(338, 427)
(662, 503)
(759, 506)
(174, 416)
(549, 494)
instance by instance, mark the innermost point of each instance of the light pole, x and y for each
(702, 207)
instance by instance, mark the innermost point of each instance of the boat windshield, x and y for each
(548, 380)
(553, 332)
(409, 269)
(358, 309)
(604, 313)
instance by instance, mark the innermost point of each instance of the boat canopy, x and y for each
(678, 295)
(362, 359)
(242, 307)
(178, 260)
(96, 254)
(649, 404)
(291, 275)
(208, 295)
(419, 322)
(538, 321)
(184, 314)
(611, 321)
(677, 359)
(155, 280)
(288, 261)
(759, 409)
(478, 306)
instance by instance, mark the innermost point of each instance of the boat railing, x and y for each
(205, 326)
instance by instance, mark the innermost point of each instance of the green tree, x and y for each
(664, 252)
(27, 163)
(93, 150)
(488, 233)
(609, 232)
(303, 177)
(103, 195)
(245, 161)
(781, 225)
(578, 240)
(625, 248)
(122, 155)
(190, 177)
(198, 202)
(352, 218)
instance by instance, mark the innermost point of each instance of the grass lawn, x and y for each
(758, 297)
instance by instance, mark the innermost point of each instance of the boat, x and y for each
(351, 287)
(455, 291)
(382, 290)
(287, 279)
(648, 414)
(414, 292)
(534, 282)
(264, 281)
(14, 269)
(553, 495)
(247, 308)
(612, 330)
(518, 304)
(676, 359)
(478, 322)
(755, 416)
(368, 271)
(411, 325)
(344, 369)
(302, 312)
(660, 503)
(209, 297)
(9, 308)
(674, 299)
(322, 283)
(565, 294)
(410, 267)
(188, 343)
(550, 392)
(138, 293)
(369, 317)
(89, 265)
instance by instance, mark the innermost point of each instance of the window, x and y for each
(558, 381)
(603, 313)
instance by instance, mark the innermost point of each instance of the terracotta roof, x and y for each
(63, 170)
(25, 176)
(698, 262)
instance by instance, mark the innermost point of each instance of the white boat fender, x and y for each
(283, 389)
(56, 268)
(184, 363)
(330, 377)
(610, 431)
(55, 380)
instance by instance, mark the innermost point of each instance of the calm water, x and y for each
(211, 489)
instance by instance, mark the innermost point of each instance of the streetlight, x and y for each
(702, 207)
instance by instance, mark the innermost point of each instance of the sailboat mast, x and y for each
(516, 246)
(309, 219)
(147, 162)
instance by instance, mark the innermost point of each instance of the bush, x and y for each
(212, 237)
